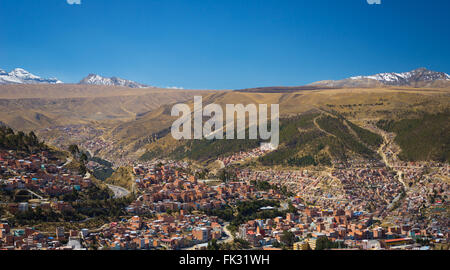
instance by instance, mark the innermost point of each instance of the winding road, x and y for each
(228, 239)
(386, 146)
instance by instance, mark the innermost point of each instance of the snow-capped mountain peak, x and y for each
(406, 78)
(22, 73)
(95, 79)
(420, 77)
(21, 76)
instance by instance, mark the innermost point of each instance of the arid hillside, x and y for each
(29, 107)
(360, 106)
(120, 123)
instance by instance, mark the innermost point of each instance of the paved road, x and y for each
(68, 161)
(37, 195)
(119, 192)
(230, 236)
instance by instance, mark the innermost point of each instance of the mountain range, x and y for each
(21, 76)
(420, 77)
(94, 79)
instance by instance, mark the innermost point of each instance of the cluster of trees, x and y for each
(265, 186)
(355, 105)
(423, 241)
(151, 154)
(103, 172)
(369, 138)
(105, 208)
(250, 208)
(262, 185)
(423, 138)
(237, 244)
(298, 134)
(302, 161)
(19, 141)
(226, 213)
(324, 243)
(93, 192)
(278, 157)
(38, 215)
(245, 211)
(101, 161)
(204, 150)
(100, 210)
(81, 157)
(295, 134)
(202, 174)
(92, 202)
(288, 239)
(344, 136)
(227, 174)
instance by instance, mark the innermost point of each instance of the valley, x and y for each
(355, 164)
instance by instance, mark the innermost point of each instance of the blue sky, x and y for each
(223, 44)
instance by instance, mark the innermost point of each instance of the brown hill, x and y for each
(134, 137)
(28, 107)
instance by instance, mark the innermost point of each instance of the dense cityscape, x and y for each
(362, 205)
(224, 131)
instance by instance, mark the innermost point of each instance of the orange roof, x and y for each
(397, 240)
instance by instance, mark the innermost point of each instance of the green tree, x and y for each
(83, 158)
(324, 243)
(288, 238)
(73, 149)
(213, 245)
